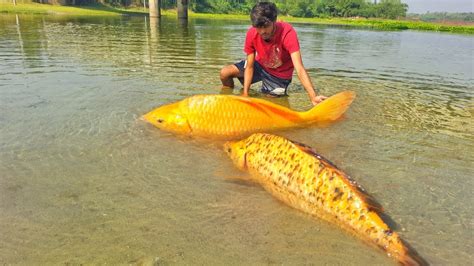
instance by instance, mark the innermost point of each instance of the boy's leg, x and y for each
(274, 86)
(227, 75)
(237, 71)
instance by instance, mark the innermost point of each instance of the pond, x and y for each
(83, 180)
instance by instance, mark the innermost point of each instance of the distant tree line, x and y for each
(310, 8)
(297, 8)
(443, 16)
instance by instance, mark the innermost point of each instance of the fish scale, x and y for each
(213, 116)
(298, 176)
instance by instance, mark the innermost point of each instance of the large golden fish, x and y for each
(230, 116)
(298, 176)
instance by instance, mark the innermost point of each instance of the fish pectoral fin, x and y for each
(241, 180)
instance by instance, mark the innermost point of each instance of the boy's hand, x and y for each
(318, 99)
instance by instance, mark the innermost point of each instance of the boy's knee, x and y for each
(227, 72)
(223, 73)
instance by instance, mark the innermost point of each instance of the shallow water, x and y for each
(84, 181)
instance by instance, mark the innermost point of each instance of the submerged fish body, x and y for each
(304, 180)
(229, 116)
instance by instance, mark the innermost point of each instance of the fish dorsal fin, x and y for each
(372, 204)
(330, 109)
(271, 109)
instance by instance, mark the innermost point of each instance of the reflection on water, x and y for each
(85, 181)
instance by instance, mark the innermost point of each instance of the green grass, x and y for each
(96, 10)
(385, 24)
(101, 10)
(380, 24)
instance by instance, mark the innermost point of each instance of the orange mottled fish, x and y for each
(298, 176)
(230, 116)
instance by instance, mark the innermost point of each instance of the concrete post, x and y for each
(155, 8)
(182, 9)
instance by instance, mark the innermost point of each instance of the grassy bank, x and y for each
(386, 24)
(98, 10)
(382, 24)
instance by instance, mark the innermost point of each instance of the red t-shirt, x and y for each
(274, 56)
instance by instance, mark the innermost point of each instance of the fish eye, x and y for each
(229, 150)
(160, 120)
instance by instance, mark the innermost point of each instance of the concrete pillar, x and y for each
(182, 9)
(155, 10)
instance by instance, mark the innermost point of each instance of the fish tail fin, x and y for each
(330, 109)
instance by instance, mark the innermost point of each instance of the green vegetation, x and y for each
(93, 10)
(444, 16)
(381, 24)
(375, 23)
(296, 8)
(310, 8)
(386, 24)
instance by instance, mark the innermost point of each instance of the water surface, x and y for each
(84, 181)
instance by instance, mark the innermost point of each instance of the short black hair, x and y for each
(263, 14)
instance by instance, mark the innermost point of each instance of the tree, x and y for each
(391, 9)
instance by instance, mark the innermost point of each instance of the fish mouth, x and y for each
(147, 118)
(228, 147)
(240, 163)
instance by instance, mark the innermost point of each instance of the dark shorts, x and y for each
(270, 84)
